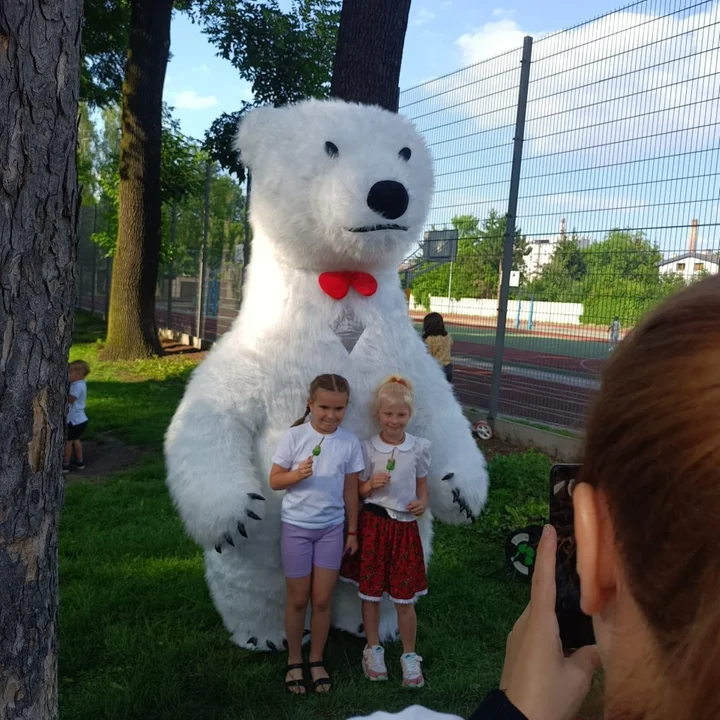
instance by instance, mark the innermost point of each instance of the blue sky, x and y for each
(623, 121)
(201, 86)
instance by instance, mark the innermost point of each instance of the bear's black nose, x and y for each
(388, 198)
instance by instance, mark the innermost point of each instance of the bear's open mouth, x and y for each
(373, 228)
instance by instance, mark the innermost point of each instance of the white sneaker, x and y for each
(411, 670)
(373, 663)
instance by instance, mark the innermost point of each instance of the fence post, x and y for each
(94, 262)
(173, 237)
(203, 250)
(510, 230)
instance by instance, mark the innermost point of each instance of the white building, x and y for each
(690, 264)
(541, 252)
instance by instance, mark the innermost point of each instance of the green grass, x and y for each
(140, 638)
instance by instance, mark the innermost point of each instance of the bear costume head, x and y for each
(356, 180)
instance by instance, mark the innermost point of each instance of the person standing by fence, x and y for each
(439, 342)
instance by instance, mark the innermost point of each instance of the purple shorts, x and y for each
(302, 548)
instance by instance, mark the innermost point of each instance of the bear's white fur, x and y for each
(313, 165)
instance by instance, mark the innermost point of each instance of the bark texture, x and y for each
(132, 332)
(39, 87)
(369, 52)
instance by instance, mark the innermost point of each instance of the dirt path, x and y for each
(104, 456)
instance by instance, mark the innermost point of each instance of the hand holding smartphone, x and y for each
(576, 629)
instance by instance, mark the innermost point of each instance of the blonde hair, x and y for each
(394, 388)
(80, 365)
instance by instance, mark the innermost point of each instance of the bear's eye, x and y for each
(331, 149)
(405, 154)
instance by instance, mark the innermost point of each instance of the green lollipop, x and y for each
(391, 462)
(317, 449)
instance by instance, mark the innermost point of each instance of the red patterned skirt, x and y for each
(390, 559)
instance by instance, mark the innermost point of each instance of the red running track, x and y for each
(536, 399)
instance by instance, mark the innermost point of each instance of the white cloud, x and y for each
(201, 69)
(494, 38)
(190, 100)
(423, 16)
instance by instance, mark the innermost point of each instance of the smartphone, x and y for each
(576, 629)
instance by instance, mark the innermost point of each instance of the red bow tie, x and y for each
(337, 284)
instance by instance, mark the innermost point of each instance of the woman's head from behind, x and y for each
(433, 325)
(648, 511)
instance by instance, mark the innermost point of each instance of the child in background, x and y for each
(317, 464)
(391, 561)
(77, 420)
(438, 341)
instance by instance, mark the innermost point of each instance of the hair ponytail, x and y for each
(397, 388)
(301, 420)
(329, 382)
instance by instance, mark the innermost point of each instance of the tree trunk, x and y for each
(369, 52)
(132, 332)
(39, 88)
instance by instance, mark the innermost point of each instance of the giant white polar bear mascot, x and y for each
(337, 188)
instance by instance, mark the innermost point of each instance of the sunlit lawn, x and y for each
(141, 639)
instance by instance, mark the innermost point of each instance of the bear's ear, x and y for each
(253, 132)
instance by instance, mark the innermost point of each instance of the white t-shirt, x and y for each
(415, 712)
(412, 460)
(318, 501)
(76, 411)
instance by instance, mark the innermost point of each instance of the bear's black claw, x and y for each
(271, 645)
(255, 496)
(241, 529)
(252, 515)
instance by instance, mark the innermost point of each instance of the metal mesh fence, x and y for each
(183, 304)
(618, 206)
(618, 198)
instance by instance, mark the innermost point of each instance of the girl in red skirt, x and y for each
(390, 562)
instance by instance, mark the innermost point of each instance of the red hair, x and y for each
(652, 448)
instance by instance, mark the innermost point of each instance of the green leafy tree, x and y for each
(183, 169)
(286, 56)
(476, 271)
(562, 279)
(623, 279)
(105, 39)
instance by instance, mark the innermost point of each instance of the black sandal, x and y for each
(297, 682)
(320, 681)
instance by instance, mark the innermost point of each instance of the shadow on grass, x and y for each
(136, 412)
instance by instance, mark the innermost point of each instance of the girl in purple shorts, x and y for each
(317, 464)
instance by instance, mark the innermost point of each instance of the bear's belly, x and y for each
(308, 352)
